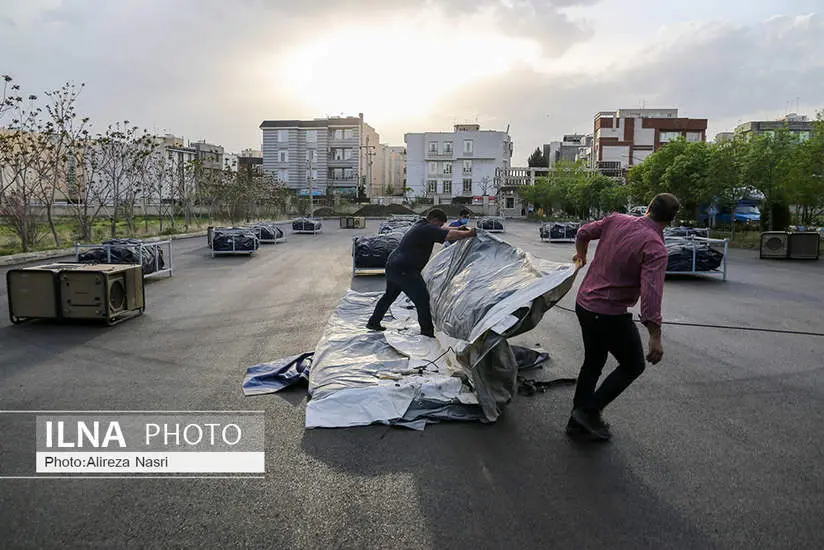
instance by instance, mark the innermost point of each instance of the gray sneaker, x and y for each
(592, 423)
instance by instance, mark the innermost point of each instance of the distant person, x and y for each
(404, 266)
(463, 219)
(630, 262)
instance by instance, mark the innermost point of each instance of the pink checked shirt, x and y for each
(630, 262)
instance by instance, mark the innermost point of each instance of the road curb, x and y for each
(28, 257)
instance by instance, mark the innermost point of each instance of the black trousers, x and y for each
(604, 334)
(403, 279)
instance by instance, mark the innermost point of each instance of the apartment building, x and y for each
(461, 163)
(332, 155)
(626, 137)
(798, 125)
(572, 148)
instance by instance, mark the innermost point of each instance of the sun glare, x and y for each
(394, 72)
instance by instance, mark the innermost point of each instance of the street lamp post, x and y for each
(309, 180)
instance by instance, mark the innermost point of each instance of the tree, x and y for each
(805, 177)
(537, 159)
(766, 166)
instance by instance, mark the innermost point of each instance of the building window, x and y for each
(467, 186)
(312, 155)
(311, 136)
(433, 147)
(283, 136)
(347, 154)
(314, 173)
(447, 187)
(348, 174)
(447, 168)
(432, 186)
(693, 136)
(433, 167)
(348, 133)
(467, 167)
(283, 175)
(447, 147)
(468, 146)
(510, 202)
(666, 137)
(803, 136)
(283, 155)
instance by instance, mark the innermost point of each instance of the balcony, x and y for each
(467, 171)
(439, 154)
(341, 180)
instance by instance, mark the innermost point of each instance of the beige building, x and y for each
(390, 171)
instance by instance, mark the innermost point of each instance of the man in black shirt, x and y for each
(404, 266)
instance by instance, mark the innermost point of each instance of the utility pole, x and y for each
(309, 179)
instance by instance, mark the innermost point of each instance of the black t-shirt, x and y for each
(416, 245)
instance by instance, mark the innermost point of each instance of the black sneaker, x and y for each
(375, 326)
(592, 422)
(428, 334)
(573, 429)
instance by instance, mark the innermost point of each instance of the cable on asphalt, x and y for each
(725, 327)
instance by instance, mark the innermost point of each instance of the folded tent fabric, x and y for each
(482, 291)
(267, 231)
(680, 253)
(491, 223)
(305, 224)
(372, 251)
(234, 239)
(559, 230)
(126, 251)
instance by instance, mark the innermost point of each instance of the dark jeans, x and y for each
(603, 334)
(403, 279)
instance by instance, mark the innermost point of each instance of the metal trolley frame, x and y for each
(563, 239)
(694, 240)
(309, 231)
(234, 250)
(139, 245)
(498, 218)
(273, 241)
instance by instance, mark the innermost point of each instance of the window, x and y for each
(283, 175)
(337, 154)
(447, 147)
(433, 167)
(432, 186)
(467, 167)
(314, 173)
(338, 134)
(283, 155)
(348, 174)
(433, 147)
(347, 154)
(312, 155)
(447, 168)
(693, 136)
(666, 137)
(337, 173)
(311, 136)
(467, 186)
(803, 136)
(468, 146)
(447, 187)
(283, 136)
(510, 202)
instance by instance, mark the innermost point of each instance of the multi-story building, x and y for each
(390, 167)
(332, 155)
(211, 156)
(625, 137)
(250, 162)
(461, 163)
(573, 148)
(798, 125)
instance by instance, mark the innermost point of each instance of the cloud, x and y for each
(722, 72)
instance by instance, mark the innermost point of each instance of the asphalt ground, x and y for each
(718, 446)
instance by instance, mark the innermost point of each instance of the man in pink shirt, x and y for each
(630, 262)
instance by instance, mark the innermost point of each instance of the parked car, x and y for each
(638, 211)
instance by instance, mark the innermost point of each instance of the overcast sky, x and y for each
(214, 69)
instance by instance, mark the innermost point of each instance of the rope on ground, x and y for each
(726, 327)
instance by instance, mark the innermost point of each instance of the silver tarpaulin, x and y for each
(482, 291)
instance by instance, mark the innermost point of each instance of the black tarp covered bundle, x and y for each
(267, 231)
(396, 225)
(126, 251)
(372, 251)
(681, 256)
(491, 224)
(559, 230)
(305, 224)
(686, 232)
(234, 239)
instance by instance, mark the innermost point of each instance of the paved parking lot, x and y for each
(717, 446)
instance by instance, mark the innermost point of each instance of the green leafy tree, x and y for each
(537, 159)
